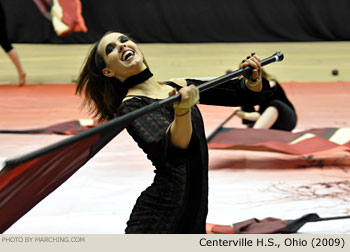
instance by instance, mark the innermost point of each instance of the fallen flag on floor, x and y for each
(65, 15)
(323, 140)
(66, 128)
(268, 225)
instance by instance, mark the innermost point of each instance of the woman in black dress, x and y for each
(8, 48)
(116, 80)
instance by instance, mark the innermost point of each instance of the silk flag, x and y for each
(73, 127)
(307, 142)
(268, 225)
(65, 15)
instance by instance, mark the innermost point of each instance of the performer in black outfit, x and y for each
(116, 80)
(11, 52)
(275, 112)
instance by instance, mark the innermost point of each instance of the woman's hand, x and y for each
(189, 97)
(253, 80)
(181, 127)
(240, 113)
(251, 116)
(254, 62)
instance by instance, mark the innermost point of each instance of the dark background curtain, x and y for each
(186, 21)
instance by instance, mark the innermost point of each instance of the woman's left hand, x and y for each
(254, 62)
(240, 113)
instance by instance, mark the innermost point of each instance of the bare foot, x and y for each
(22, 79)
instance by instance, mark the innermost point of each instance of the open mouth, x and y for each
(127, 54)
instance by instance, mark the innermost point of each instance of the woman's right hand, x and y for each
(189, 97)
(181, 127)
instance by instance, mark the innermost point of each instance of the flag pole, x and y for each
(119, 123)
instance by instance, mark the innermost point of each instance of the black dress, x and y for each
(177, 200)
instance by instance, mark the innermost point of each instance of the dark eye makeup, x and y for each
(109, 48)
(123, 39)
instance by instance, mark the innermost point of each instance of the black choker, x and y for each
(137, 79)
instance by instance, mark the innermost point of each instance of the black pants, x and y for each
(287, 118)
(5, 44)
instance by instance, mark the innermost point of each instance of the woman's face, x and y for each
(122, 56)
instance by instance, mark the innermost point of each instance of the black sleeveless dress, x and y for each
(177, 200)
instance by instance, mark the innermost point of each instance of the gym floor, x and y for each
(100, 196)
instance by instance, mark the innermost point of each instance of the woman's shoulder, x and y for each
(131, 98)
(177, 83)
(180, 82)
(131, 103)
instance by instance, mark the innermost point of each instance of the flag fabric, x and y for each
(26, 180)
(65, 15)
(313, 141)
(268, 225)
(22, 188)
(73, 127)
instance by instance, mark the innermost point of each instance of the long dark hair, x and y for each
(102, 95)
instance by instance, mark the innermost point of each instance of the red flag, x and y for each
(66, 128)
(66, 15)
(26, 180)
(324, 140)
(268, 225)
(26, 185)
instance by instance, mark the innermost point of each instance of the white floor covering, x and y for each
(99, 197)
